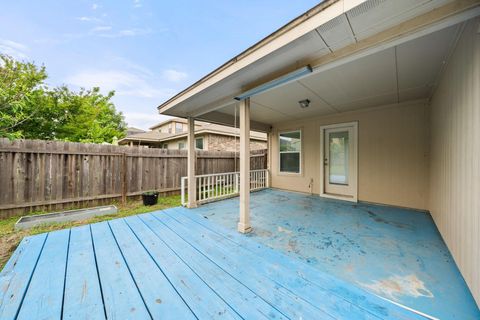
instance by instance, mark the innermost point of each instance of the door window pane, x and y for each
(338, 150)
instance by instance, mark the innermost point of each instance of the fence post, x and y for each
(124, 178)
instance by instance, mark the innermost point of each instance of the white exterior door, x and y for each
(339, 149)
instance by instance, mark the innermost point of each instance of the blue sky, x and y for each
(144, 50)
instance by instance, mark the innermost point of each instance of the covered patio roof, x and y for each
(401, 45)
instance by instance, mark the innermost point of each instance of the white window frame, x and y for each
(203, 143)
(178, 125)
(300, 159)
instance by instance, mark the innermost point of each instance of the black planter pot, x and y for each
(150, 198)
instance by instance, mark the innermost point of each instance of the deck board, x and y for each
(158, 294)
(240, 297)
(172, 264)
(269, 273)
(16, 275)
(204, 303)
(288, 303)
(83, 296)
(353, 294)
(44, 297)
(121, 297)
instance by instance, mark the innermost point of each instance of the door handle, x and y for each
(325, 162)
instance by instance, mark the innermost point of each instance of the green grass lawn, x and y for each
(10, 238)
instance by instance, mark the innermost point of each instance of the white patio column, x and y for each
(192, 182)
(244, 224)
(269, 157)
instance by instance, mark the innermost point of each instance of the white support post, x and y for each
(269, 158)
(192, 181)
(244, 224)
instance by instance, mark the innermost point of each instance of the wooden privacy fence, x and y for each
(53, 175)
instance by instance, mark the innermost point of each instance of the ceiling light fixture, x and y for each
(304, 103)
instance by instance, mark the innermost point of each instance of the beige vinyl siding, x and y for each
(393, 154)
(455, 156)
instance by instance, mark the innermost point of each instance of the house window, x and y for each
(178, 127)
(181, 145)
(199, 143)
(165, 146)
(290, 151)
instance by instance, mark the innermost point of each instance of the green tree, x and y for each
(21, 83)
(55, 114)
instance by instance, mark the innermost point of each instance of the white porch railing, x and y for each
(217, 186)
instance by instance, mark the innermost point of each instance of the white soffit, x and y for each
(337, 33)
(399, 74)
(369, 76)
(374, 16)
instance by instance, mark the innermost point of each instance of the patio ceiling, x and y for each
(398, 74)
(375, 53)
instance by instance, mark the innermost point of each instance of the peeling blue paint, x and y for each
(396, 253)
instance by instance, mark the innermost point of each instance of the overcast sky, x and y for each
(144, 50)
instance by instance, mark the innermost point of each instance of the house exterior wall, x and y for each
(217, 142)
(454, 200)
(170, 127)
(392, 154)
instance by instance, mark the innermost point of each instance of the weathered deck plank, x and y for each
(353, 294)
(121, 297)
(44, 297)
(262, 275)
(202, 301)
(16, 275)
(241, 298)
(160, 297)
(82, 297)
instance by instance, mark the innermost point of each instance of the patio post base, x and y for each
(243, 228)
(192, 205)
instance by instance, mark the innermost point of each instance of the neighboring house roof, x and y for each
(149, 136)
(158, 125)
(217, 129)
(202, 128)
(133, 130)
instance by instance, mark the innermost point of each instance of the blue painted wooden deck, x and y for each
(393, 252)
(172, 264)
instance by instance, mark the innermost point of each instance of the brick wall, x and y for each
(217, 142)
